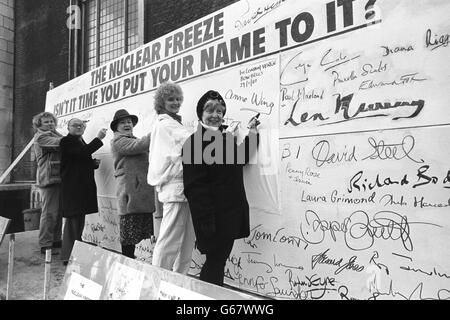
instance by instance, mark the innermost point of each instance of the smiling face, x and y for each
(76, 127)
(125, 125)
(172, 103)
(213, 112)
(47, 124)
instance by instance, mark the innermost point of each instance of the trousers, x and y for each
(73, 229)
(50, 225)
(176, 239)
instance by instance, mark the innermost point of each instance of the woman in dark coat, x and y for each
(78, 188)
(136, 201)
(214, 185)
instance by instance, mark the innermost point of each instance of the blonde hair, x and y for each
(37, 119)
(165, 90)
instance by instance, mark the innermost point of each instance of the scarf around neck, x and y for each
(209, 127)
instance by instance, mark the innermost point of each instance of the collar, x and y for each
(174, 116)
(209, 127)
(54, 132)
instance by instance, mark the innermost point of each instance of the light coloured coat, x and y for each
(48, 157)
(130, 156)
(165, 170)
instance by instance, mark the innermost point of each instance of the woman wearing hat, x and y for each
(214, 184)
(135, 197)
(176, 239)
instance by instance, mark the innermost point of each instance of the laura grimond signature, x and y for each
(359, 231)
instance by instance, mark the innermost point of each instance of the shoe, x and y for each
(43, 249)
(57, 244)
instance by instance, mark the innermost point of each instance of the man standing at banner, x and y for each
(79, 191)
(46, 150)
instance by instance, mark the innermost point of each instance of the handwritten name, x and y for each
(387, 51)
(359, 231)
(438, 41)
(322, 258)
(392, 151)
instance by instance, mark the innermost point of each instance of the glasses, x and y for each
(78, 126)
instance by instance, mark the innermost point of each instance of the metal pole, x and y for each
(48, 261)
(9, 282)
(75, 49)
(125, 26)
(70, 48)
(19, 157)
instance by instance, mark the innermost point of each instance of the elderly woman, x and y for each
(48, 157)
(176, 239)
(136, 202)
(214, 184)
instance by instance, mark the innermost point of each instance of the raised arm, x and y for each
(74, 149)
(48, 142)
(129, 146)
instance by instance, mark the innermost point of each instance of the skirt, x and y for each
(135, 227)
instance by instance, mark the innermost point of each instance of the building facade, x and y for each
(45, 43)
(6, 81)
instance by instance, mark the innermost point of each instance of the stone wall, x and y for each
(6, 81)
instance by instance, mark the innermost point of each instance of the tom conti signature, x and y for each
(360, 232)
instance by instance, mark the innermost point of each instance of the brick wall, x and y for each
(164, 16)
(41, 56)
(6, 81)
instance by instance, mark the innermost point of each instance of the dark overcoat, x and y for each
(78, 188)
(215, 190)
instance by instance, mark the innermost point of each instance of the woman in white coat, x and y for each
(176, 239)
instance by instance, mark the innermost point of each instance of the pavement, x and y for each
(29, 269)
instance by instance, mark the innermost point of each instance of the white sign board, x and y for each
(350, 197)
(169, 291)
(81, 288)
